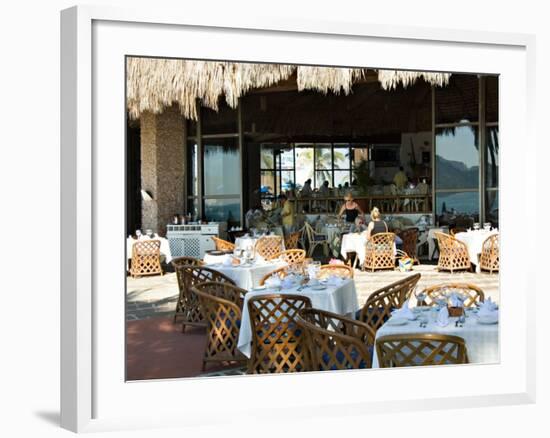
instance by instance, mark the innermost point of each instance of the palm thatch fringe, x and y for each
(390, 79)
(153, 84)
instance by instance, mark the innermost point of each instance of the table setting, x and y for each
(477, 325)
(334, 294)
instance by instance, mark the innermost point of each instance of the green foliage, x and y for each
(361, 174)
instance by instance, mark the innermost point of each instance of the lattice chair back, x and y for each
(410, 239)
(453, 254)
(278, 344)
(221, 304)
(293, 257)
(146, 258)
(471, 294)
(338, 270)
(335, 342)
(382, 302)
(280, 272)
(269, 247)
(223, 245)
(490, 254)
(291, 240)
(380, 252)
(420, 349)
(188, 309)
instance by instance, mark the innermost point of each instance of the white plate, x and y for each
(487, 319)
(397, 321)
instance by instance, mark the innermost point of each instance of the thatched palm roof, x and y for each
(153, 84)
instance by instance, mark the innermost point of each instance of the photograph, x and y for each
(293, 218)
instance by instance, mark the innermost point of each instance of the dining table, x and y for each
(481, 339)
(473, 239)
(338, 298)
(246, 275)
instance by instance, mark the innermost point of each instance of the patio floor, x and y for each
(157, 349)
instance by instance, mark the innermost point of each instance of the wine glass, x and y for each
(138, 234)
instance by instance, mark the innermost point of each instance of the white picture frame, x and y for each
(94, 41)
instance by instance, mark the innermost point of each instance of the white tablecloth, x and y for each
(247, 277)
(210, 259)
(354, 242)
(474, 241)
(432, 239)
(337, 299)
(164, 247)
(250, 242)
(481, 339)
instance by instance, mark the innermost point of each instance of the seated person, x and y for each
(324, 190)
(306, 191)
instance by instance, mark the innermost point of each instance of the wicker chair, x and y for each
(146, 258)
(379, 252)
(340, 270)
(378, 307)
(221, 304)
(281, 272)
(188, 307)
(291, 240)
(490, 259)
(314, 239)
(269, 247)
(292, 257)
(472, 294)
(278, 344)
(223, 245)
(410, 239)
(335, 342)
(420, 349)
(453, 254)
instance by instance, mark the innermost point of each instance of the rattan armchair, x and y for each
(146, 258)
(410, 240)
(281, 272)
(291, 240)
(292, 257)
(420, 349)
(188, 307)
(269, 247)
(221, 304)
(339, 270)
(223, 245)
(490, 258)
(380, 304)
(453, 254)
(314, 239)
(278, 344)
(471, 293)
(380, 252)
(335, 342)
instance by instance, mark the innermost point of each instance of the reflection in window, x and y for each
(286, 157)
(323, 157)
(457, 158)
(491, 169)
(220, 210)
(221, 164)
(491, 207)
(341, 158)
(457, 203)
(267, 183)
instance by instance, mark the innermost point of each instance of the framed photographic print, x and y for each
(310, 218)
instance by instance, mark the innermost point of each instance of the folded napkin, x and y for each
(443, 317)
(334, 280)
(404, 312)
(274, 281)
(488, 307)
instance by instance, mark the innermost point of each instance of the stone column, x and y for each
(162, 167)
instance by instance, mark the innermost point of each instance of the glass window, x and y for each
(223, 210)
(304, 165)
(491, 207)
(359, 153)
(221, 167)
(193, 208)
(341, 157)
(457, 203)
(457, 158)
(458, 101)
(192, 169)
(267, 160)
(341, 177)
(286, 180)
(491, 102)
(267, 183)
(321, 176)
(491, 161)
(323, 157)
(286, 157)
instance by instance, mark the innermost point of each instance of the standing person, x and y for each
(306, 190)
(287, 214)
(350, 209)
(400, 178)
